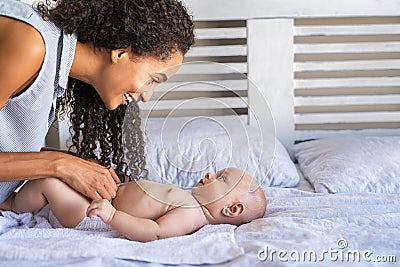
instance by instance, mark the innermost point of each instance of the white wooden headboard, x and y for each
(324, 67)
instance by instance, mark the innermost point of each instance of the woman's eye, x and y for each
(154, 80)
(221, 178)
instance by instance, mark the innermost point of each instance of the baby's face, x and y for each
(217, 186)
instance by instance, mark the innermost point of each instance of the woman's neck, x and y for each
(87, 60)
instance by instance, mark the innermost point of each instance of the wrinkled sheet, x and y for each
(29, 237)
(298, 222)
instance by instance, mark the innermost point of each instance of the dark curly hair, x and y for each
(155, 28)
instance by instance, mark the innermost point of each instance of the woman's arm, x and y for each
(89, 178)
(22, 52)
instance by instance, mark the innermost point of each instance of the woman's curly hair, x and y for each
(155, 28)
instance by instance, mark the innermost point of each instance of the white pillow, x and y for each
(181, 150)
(351, 164)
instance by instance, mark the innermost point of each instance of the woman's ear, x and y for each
(117, 54)
(234, 209)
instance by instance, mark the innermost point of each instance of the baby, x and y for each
(145, 210)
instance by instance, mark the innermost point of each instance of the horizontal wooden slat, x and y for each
(193, 113)
(319, 39)
(212, 68)
(347, 48)
(218, 59)
(222, 119)
(348, 65)
(220, 33)
(220, 24)
(359, 20)
(346, 126)
(348, 117)
(346, 82)
(347, 74)
(307, 135)
(217, 51)
(174, 95)
(347, 100)
(219, 85)
(362, 90)
(197, 103)
(345, 56)
(345, 108)
(347, 30)
(209, 10)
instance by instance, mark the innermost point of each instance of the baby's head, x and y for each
(230, 196)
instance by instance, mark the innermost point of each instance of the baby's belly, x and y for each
(136, 202)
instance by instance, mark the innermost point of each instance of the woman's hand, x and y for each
(101, 208)
(87, 177)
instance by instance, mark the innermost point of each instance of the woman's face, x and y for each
(127, 77)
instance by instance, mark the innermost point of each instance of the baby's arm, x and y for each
(177, 222)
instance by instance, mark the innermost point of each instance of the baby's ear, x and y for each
(234, 209)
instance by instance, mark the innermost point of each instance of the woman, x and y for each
(92, 56)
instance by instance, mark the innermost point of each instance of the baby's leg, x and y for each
(29, 198)
(8, 203)
(68, 206)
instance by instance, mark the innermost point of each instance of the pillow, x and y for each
(182, 150)
(351, 164)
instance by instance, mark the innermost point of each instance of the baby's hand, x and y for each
(101, 208)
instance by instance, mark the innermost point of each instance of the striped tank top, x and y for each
(25, 119)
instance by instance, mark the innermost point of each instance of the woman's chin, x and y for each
(112, 106)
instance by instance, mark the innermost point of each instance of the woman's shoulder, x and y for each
(22, 52)
(17, 34)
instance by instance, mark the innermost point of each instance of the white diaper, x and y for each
(86, 224)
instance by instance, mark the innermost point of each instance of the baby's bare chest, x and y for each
(150, 200)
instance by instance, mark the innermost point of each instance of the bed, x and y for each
(304, 96)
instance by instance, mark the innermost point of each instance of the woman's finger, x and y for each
(112, 189)
(103, 192)
(102, 188)
(114, 176)
(110, 176)
(94, 195)
(110, 183)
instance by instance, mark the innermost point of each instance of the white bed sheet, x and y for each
(297, 220)
(303, 184)
(304, 221)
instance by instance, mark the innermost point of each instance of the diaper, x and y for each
(96, 224)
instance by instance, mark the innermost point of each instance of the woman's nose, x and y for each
(145, 96)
